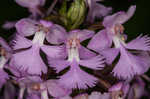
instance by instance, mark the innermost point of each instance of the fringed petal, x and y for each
(140, 43)
(20, 42)
(76, 78)
(100, 41)
(30, 61)
(130, 65)
(58, 64)
(85, 53)
(53, 51)
(96, 62)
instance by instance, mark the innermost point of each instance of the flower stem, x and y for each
(51, 7)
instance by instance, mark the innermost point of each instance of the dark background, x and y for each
(138, 24)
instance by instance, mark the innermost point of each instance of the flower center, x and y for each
(73, 45)
(118, 37)
(43, 29)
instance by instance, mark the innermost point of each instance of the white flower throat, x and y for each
(39, 38)
(40, 35)
(73, 45)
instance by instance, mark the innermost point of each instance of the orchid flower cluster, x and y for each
(55, 55)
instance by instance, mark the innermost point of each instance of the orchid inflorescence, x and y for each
(52, 57)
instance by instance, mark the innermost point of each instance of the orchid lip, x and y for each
(118, 40)
(39, 38)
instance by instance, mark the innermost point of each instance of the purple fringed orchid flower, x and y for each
(32, 5)
(112, 25)
(97, 10)
(77, 55)
(59, 91)
(5, 52)
(129, 64)
(31, 83)
(119, 90)
(137, 90)
(55, 34)
(30, 58)
(36, 86)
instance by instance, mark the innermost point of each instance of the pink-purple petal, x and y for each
(109, 54)
(58, 64)
(26, 27)
(130, 65)
(56, 90)
(56, 35)
(53, 51)
(100, 41)
(82, 34)
(140, 43)
(85, 53)
(20, 42)
(76, 78)
(119, 17)
(97, 10)
(116, 87)
(96, 62)
(30, 61)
